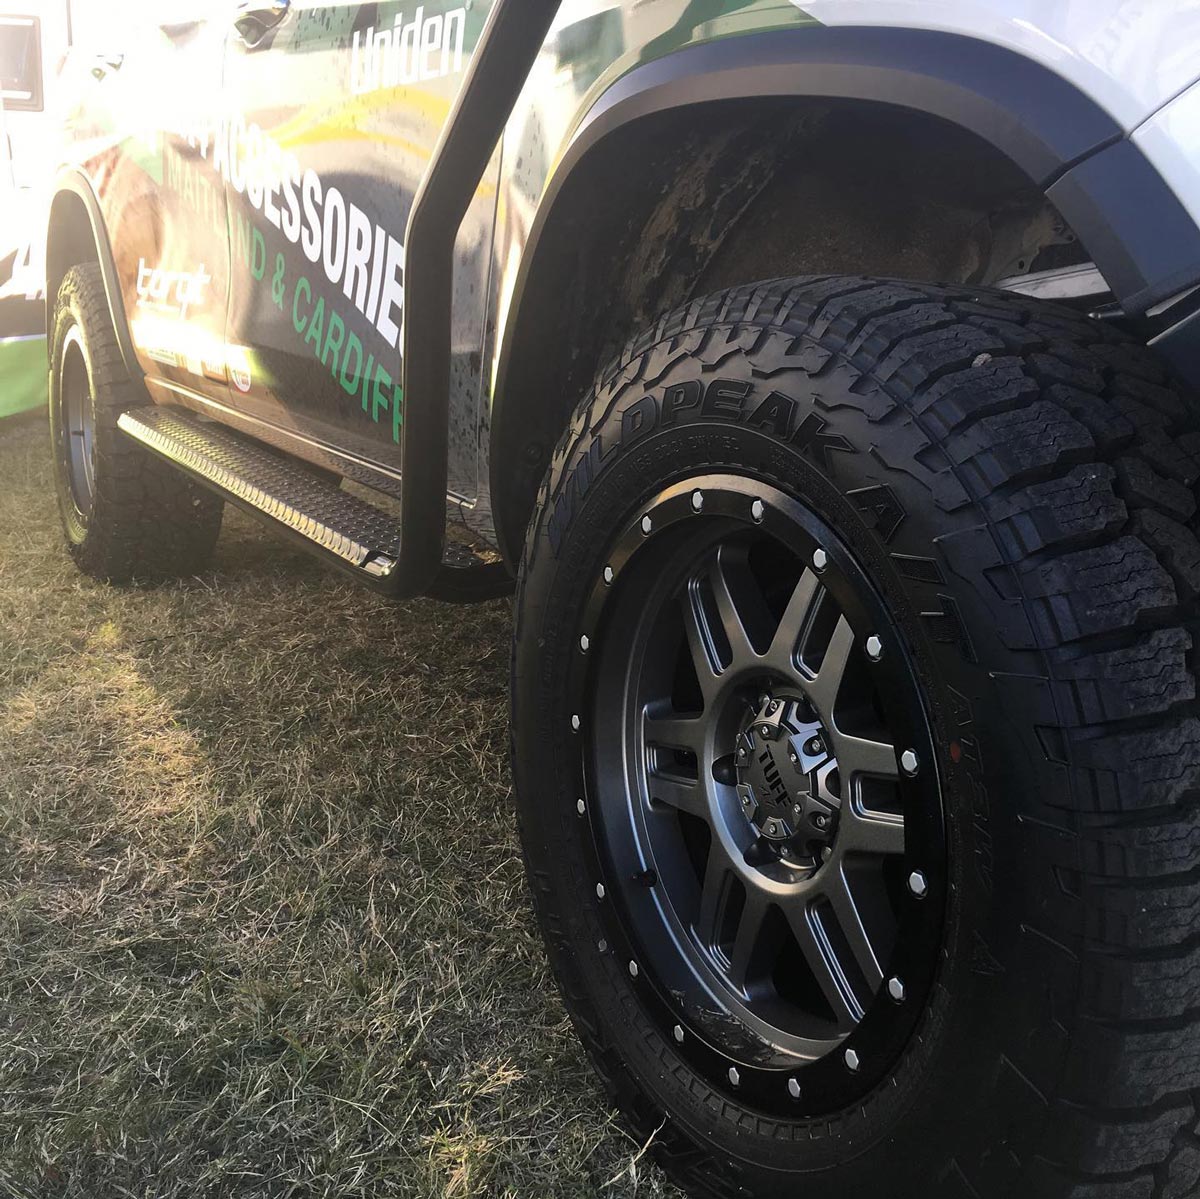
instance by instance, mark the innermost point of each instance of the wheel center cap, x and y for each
(781, 756)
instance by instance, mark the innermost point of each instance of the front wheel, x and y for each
(851, 738)
(127, 515)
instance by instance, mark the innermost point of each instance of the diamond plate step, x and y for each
(353, 532)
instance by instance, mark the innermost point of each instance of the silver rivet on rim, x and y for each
(820, 559)
(580, 806)
(679, 1034)
(908, 762)
(647, 524)
(917, 884)
(896, 989)
(609, 574)
(765, 729)
(851, 1060)
(758, 510)
(874, 648)
(575, 723)
(734, 1076)
(584, 643)
(794, 1088)
(697, 500)
(633, 969)
(599, 890)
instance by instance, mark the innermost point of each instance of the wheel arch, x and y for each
(1032, 128)
(76, 234)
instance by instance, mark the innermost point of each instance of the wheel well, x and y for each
(686, 202)
(69, 241)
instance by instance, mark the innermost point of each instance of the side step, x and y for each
(340, 527)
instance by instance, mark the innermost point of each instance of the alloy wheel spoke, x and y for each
(782, 653)
(826, 968)
(676, 732)
(739, 604)
(861, 755)
(823, 689)
(685, 795)
(872, 832)
(713, 895)
(705, 658)
(849, 920)
(746, 939)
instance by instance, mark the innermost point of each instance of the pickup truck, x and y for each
(820, 377)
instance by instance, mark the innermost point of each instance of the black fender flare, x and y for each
(72, 181)
(1063, 140)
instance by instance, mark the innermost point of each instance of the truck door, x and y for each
(337, 108)
(140, 110)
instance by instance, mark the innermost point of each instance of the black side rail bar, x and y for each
(505, 55)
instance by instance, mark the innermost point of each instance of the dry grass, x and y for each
(263, 919)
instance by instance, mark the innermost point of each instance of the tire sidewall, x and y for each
(980, 1008)
(68, 315)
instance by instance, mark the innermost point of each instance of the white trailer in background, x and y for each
(35, 37)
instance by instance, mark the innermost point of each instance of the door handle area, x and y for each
(255, 18)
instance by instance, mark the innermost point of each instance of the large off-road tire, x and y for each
(127, 515)
(944, 537)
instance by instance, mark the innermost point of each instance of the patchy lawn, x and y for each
(263, 921)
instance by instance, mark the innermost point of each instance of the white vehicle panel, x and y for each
(1171, 141)
(1130, 56)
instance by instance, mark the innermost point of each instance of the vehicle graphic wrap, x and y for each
(282, 164)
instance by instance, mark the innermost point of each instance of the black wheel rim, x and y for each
(78, 421)
(761, 788)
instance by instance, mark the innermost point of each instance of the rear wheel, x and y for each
(853, 747)
(126, 514)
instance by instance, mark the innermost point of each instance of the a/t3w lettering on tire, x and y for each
(853, 620)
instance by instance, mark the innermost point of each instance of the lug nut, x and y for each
(794, 1088)
(599, 890)
(815, 746)
(874, 648)
(584, 643)
(609, 574)
(734, 1077)
(918, 884)
(580, 806)
(697, 500)
(633, 969)
(821, 820)
(851, 1060)
(820, 559)
(757, 510)
(909, 762)
(896, 989)
(679, 1034)
(575, 723)
(602, 946)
